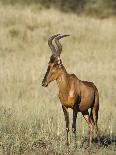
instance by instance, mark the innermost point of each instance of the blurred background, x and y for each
(101, 8)
(31, 117)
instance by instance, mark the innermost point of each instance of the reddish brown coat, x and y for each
(73, 93)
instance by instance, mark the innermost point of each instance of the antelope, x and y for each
(78, 95)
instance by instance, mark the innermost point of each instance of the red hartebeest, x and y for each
(73, 93)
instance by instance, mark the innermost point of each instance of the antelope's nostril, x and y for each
(44, 84)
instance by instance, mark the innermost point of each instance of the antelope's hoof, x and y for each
(73, 130)
(67, 143)
(75, 146)
(86, 146)
(89, 145)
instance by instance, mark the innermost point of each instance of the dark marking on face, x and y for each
(51, 73)
(44, 82)
(52, 59)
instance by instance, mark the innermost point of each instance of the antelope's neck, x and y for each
(63, 81)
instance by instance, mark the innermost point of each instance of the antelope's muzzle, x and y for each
(44, 83)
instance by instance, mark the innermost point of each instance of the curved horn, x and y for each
(51, 45)
(59, 46)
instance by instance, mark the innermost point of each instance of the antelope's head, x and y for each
(55, 63)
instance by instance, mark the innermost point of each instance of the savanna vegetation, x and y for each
(99, 8)
(31, 117)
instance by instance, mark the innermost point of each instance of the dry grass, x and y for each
(31, 118)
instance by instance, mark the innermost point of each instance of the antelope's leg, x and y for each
(95, 119)
(91, 127)
(74, 124)
(74, 120)
(66, 114)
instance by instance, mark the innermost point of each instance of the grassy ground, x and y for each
(31, 117)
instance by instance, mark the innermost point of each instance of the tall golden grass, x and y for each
(31, 117)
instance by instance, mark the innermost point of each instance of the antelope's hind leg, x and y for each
(95, 119)
(91, 126)
(66, 115)
(94, 115)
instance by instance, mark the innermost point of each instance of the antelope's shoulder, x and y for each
(72, 78)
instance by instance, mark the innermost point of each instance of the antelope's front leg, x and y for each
(66, 114)
(74, 124)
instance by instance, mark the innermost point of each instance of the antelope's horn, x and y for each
(51, 45)
(59, 46)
